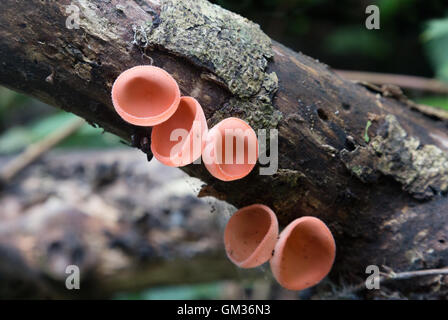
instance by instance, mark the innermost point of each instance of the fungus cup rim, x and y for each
(273, 228)
(198, 116)
(151, 120)
(214, 167)
(282, 241)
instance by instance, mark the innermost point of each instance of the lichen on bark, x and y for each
(226, 44)
(258, 110)
(421, 169)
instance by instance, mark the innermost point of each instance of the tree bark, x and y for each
(366, 160)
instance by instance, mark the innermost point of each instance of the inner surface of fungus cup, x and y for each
(145, 95)
(304, 254)
(250, 236)
(180, 140)
(231, 150)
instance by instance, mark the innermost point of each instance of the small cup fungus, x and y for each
(145, 95)
(231, 150)
(304, 254)
(250, 236)
(189, 124)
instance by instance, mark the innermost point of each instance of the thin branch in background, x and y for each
(435, 112)
(404, 81)
(390, 276)
(34, 151)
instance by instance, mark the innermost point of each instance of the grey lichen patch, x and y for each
(234, 48)
(96, 25)
(421, 169)
(226, 44)
(259, 114)
(141, 34)
(257, 110)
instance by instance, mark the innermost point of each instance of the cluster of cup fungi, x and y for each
(147, 96)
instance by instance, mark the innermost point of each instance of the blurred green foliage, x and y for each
(334, 31)
(357, 41)
(391, 8)
(16, 136)
(434, 101)
(435, 38)
(207, 291)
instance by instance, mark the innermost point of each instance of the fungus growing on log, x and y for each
(145, 95)
(231, 150)
(250, 236)
(304, 254)
(189, 124)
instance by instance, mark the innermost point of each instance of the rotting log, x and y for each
(76, 208)
(364, 159)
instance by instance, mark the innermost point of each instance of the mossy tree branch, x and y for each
(383, 197)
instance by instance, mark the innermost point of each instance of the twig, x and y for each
(391, 275)
(34, 151)
(404, 81)
(390, 87)
(431, 111)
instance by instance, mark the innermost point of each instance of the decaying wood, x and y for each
(77, 208)
(366, 162)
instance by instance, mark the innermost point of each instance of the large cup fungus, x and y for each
(189, 124)
(304, 254)
(250, 236)
(145, 95)
(231, 150)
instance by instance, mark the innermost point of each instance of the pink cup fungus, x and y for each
(189, 124)
(231, 150)
(145, 95)
(250, 236)
(304, 254)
